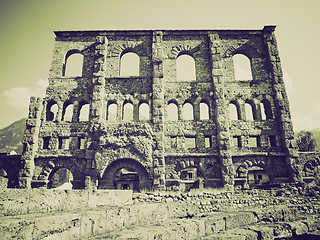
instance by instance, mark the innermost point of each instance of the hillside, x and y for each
(11, 137)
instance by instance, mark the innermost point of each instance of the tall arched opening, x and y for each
(125, 174)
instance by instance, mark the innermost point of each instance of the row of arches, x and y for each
(250, 110)
(70, 111)
(187, 111)
(247, 111)
(130, 65)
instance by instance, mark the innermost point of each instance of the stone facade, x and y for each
(161, 148)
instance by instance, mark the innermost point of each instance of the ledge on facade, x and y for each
(188, 154)
(125, 77)
(240, 154)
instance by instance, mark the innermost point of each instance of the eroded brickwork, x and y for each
(125, 148)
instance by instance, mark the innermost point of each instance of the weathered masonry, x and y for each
(161, 109)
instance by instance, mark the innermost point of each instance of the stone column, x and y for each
(99, 74)
(97, 102)
(221, 112)
(30, 142)
(158, 111)
(282, 104)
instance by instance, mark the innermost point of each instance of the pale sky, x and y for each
(26, 40)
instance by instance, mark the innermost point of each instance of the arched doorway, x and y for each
(60, 178)
(125, 174)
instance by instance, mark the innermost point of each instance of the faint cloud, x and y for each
(288, 81)
(19, 97)
(307, 122)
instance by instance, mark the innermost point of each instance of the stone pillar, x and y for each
(221, 112)
(30, 142)
(99, 74)
(158, 111)
(282, 104)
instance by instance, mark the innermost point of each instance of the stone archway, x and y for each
(125, 174)
(60, 178)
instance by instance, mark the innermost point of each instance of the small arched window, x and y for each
(129, 64)
(67, 112)
(187, 111)
(127, 112)
(249, 109)
(242, 67)
(84, 110)
(186, 68)
(172, 111)
(112, 112)
(266, 110)
(234, 112)
(204, 111)
(144, 111)
(52, 111)
(73, 64)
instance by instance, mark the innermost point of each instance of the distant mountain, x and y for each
(11, 137)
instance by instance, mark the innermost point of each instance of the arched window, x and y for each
(112, 112)
(84, 110)
(172, 111)
(127, 112)
(204, 111)
(234, 113)
(52, 111)
(73, 64)
(129, 64)
(67, 112)
(249, 111)
(266, 110)
(242, 67)
(144, 111)
(186, 68)
(187, 111)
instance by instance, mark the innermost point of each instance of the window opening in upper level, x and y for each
(249, 111)
(190, 142)
(84, 110)
(172, 111)
(46, 142)
(233, 111)
(129, 64)
(186, 68)
(187, 111)
(266, 110)
(112, 112)
(242, 67)
(73, 64)
(204, 111)
(254, 141)
(127, 112)
(81, 143)
(67, 112)
(63, 143)
(208, 142)
(52, 111)
(144, 111)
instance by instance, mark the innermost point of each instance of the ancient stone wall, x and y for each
(187, 125)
